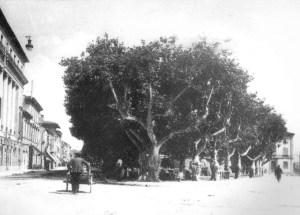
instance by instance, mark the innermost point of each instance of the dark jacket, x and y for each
(76, 165)
(278, 171)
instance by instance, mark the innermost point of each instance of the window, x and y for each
(285, 165)
(285, 151)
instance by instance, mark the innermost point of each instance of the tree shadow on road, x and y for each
(69, 192)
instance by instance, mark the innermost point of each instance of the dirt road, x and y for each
(264, 195)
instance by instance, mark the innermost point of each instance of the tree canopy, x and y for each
(162, 95)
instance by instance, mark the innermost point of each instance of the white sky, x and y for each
(263, 35)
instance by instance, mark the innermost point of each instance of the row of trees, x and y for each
(160, 97)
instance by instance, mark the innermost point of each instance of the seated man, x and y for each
(75, 166)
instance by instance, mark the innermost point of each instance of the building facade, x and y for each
(13, 154)
(283, 155)
(31, 131)
(52, 144)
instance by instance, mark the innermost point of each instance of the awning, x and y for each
(57, 160)
(52, 157)
(36, 149)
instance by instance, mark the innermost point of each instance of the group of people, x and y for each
(77, 164)
(123, 172)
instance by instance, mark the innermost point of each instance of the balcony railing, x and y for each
(283, 156)
(13, 64)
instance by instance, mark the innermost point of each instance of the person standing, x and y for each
(75, 166)
(278, 173)
(214, 170)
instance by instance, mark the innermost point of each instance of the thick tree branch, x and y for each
(137, 136)
(234, 140)
(238, 138)
(173, 134)
(123, 115)
(113, 92)
(205, 115)
(149, 122)
(172, 101)
(202, 148)
(246, 152)
(232, 153)
(254, 159)
(133, 140)
(218, 132)
(178, 96)
(196, 143)
(149, 111)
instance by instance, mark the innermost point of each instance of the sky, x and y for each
(264, 37)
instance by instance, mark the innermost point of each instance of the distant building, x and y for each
(13, 154)
(31, 131)
(51, 144)
(283, 155)
(65, 153)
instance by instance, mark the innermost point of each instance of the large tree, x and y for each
(155, 92)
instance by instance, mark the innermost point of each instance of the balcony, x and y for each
(16, 70)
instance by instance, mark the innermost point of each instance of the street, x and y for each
(262, 195)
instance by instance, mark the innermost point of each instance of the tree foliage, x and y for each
(160, 95)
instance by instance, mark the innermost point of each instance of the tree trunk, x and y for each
(214, 164)
(260, 169)
(227, 162)
(238, 167)
(154, 164)
(252, 169)
(182, 164)
(143, 166)
(195, 166)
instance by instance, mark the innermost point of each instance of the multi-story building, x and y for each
(26, 140)
(31, 132)
(13, 154)
(283, 155)
(52, 144)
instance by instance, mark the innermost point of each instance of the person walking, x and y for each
(75, 166)
(278, 173)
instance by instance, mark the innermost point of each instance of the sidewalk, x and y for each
(4, 173)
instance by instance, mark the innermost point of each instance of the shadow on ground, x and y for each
(61, 175)
(39, 174)
(64, 192)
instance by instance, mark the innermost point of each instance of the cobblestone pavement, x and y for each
(263, 195)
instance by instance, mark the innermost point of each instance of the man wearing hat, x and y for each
(75, 166)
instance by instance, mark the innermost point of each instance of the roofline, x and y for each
(49, 124)
(290, 134)
(12, 37)
(34, 102)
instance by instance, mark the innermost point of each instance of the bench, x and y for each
(85, 178)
